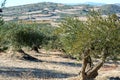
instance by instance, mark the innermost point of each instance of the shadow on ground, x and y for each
(71, 64)
(36, 73)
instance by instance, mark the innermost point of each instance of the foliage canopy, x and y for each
(98, 33)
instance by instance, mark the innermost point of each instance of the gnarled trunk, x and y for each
(89, 71)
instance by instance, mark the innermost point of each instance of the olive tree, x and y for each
(2, 6)
(96, 38)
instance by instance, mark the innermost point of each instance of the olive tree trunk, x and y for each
(89, 71)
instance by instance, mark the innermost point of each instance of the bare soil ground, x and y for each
(54, 67)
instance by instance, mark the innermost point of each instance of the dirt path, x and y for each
(53, 67)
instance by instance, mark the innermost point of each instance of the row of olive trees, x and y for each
(98, 37)
(19, 35)
(24, 35)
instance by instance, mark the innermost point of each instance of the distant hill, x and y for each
(87, 3)
(94, 3)
(110, 9)
(117, 4)
(56, 11)
(47, 7)
(35, 7)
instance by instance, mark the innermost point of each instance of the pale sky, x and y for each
(22, 2)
